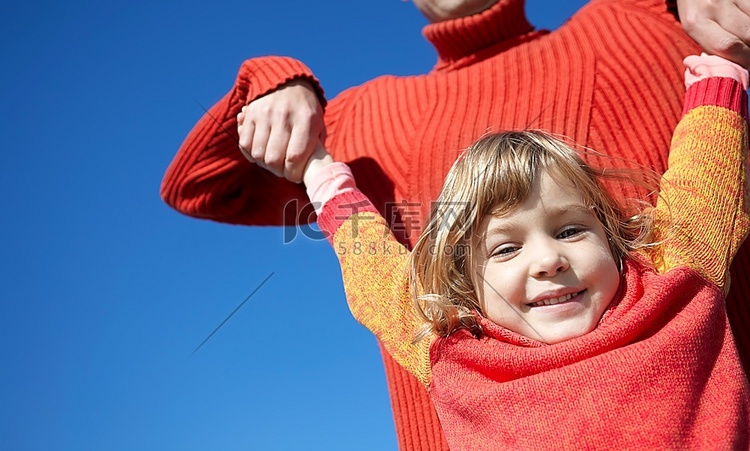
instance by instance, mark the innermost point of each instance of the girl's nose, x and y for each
(548, 262)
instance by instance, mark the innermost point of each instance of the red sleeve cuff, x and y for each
(340, 208)
(716, 91)
(259, 76)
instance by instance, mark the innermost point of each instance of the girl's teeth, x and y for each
(554, 301)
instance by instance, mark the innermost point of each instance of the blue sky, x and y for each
(106, 291)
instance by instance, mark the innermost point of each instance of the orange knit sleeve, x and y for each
(375, 271)
(703, 209)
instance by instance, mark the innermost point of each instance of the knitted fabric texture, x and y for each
(610, 79)
(661, 370)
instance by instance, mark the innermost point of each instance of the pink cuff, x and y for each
(704, 66)
(334, 179)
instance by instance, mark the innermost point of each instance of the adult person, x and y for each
(610, 78)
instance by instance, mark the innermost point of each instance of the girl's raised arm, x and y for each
(704, 198)
(374, 265)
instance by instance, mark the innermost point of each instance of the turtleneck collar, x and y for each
(459, 39)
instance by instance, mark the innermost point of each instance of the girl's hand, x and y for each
(319, 160)
(705, 66)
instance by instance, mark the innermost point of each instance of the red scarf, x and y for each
(661, 371)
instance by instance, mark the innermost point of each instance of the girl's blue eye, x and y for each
(570, 232)
(504, 251)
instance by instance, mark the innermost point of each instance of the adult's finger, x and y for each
(736, 23)
(246, 132)
(276, 150)
(715, 40)
(301, 146)
(260, 143)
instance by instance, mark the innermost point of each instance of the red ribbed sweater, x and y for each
(610, 78)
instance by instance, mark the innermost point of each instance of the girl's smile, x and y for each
(544, 300)
(545, 269)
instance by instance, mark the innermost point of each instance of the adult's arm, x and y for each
(210, 178)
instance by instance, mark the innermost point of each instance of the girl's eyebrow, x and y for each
(576, 207)
(507, 226)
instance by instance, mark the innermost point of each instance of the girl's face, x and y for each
(545, 269)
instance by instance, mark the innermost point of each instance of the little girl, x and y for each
(548, 319)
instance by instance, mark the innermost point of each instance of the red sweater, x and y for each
(660, 371)
(610, 78)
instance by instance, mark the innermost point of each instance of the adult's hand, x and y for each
(279, 131)
(721, 27)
